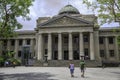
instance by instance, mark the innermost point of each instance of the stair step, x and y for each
(65, 63)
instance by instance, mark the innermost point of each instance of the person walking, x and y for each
(71, 67)
(6, 63)
(82, 67)
(14, 64)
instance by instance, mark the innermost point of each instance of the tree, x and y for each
(9, 11)
(108, 10)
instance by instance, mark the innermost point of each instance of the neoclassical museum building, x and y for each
(69, 35)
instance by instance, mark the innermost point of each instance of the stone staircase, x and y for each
(65, 63)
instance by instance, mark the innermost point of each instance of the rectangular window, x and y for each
(3, 53)
(20, 42)
(111, 53)
(86, 51)
(101, 40)
(85, 38)
(46, 39)
(28, 41)
(12, 42)
(5, 42)
(19, 53)
(110, 39)
(46, 51)
(76, 39)
(56, 39)
(66, 55)
(55, 55)
(65, 39)
(102, 53)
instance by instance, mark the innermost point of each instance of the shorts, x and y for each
(82, 69)
(71, 71)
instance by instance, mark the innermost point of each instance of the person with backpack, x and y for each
(82, 67)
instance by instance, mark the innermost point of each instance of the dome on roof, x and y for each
(68, 9)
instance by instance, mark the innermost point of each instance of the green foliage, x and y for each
(10, 54)
(17, 61)
(108, 10)
(1, 59)
(9, 11)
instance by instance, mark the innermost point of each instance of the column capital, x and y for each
(80, 32)
(32, 38)
(40, 33)
(59, 32)
(70, 32)
(91, 33)
(49, 33)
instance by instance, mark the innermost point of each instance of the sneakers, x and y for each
(82, 75)
(72, 75)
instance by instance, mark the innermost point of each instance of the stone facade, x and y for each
(67, 37)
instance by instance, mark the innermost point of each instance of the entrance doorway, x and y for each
(26, 55)
(87, 56)
(76, 55)
(55, 55)
(65, 55)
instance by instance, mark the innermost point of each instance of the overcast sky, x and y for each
(45, 8)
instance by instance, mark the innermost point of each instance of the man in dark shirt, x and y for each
(82, 67)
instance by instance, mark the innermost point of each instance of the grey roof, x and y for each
(69, 9)
(26, 32)
(109, 28)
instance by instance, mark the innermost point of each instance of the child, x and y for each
(71, 67)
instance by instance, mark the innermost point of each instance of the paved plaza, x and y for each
(57, 73)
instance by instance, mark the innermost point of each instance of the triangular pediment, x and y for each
(65, 20)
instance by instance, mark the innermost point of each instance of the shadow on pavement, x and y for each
(116, 72)
(26, 76)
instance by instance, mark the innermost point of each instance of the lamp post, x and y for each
(46, 61)
(46, 58)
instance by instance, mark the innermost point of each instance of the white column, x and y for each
(116, 49)
(96, 46)
(81, 49)
(24, 42)
(70, 47)
(59, 46)
(39, 55)
(32, 47)
(8, 45)
(16, 48)
(92, 55)
(36, 45)
(106, 47)
(49, 46)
